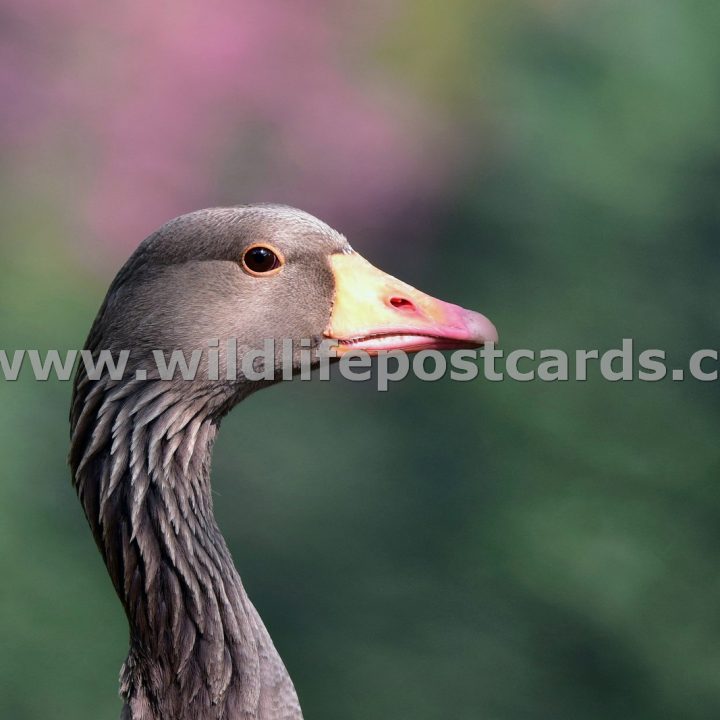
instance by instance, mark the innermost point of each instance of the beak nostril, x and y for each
(402, 303)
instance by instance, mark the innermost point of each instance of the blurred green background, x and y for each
(514, 551)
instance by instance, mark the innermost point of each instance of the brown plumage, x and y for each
(141, 448)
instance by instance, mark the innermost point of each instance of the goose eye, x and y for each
(259, 260)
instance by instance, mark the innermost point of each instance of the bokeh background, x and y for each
(511, 551)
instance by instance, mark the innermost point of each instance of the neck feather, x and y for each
(141, 464)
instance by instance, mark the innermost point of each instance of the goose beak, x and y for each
(374, 311)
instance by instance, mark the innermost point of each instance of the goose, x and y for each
(141, 443)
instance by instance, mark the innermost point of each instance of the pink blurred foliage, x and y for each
(164, 107)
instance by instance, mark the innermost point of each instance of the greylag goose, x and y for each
(141, 444)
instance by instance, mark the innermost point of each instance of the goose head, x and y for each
(236, 278)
